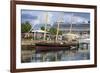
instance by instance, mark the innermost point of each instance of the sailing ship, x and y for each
(54, 46)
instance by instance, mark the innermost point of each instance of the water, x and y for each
(63, 55)
(80, 53)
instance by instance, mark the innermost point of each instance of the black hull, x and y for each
(44, 47)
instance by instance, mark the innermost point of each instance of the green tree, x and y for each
(60, 33)
(26, 27)
(42, 28)
(53, 31)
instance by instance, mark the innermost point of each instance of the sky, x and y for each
(50, 17)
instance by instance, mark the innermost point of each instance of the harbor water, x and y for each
(61, 56)
(80, 53)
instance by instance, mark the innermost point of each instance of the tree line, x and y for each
(26, 27)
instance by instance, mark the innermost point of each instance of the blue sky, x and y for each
(39, 17)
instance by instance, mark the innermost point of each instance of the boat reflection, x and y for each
(61, 56)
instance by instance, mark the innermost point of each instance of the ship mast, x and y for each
(57, 30)
(71, 23)
(46, 22)
(58, 25)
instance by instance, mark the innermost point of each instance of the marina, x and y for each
(59, 41)
(69, 52)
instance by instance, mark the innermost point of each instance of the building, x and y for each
(76, 28)
(39, 34)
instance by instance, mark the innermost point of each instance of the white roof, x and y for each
(71, 34)
(40, 31)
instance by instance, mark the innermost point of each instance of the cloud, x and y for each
(38, 18)
(35, 22)
(27, 12)
(78, 19)
(28, 16)
(74, 19)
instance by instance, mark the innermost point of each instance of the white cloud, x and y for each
(27, 12)
(75, 19)
(34, 22)
(43, 19)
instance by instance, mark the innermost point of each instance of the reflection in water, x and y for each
(80, 53)
(60, 56)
